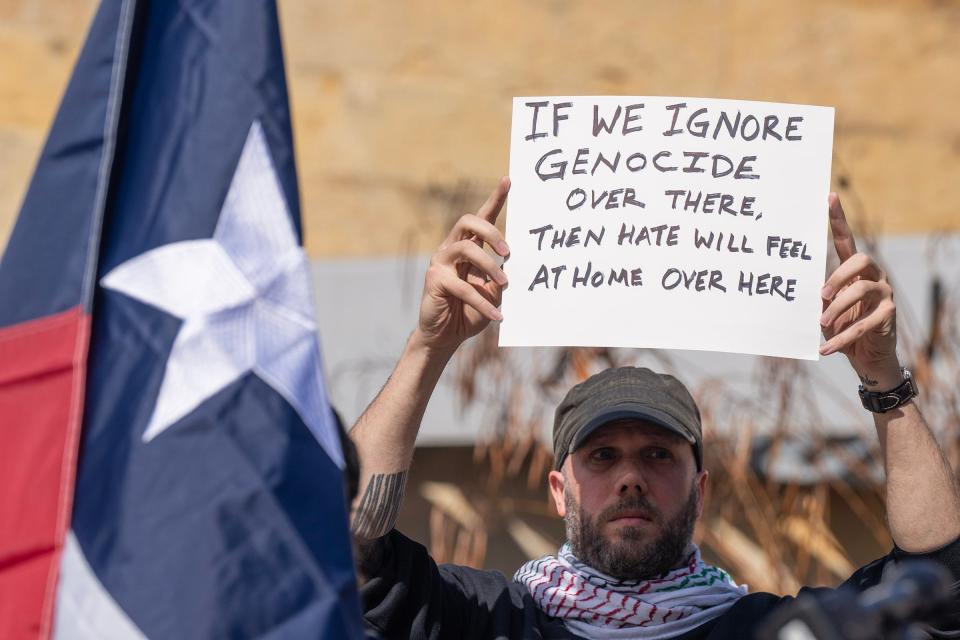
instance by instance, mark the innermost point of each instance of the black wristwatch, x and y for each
(883, 401)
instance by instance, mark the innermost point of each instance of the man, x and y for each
(629, 477)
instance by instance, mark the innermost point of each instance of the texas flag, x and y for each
(169, 463)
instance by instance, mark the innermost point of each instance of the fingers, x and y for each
(491, 291)
(470, 296)
(474, 227)
(859, 291)
(491, 208)
(479, 227)
(843, 240)
(882, 314)
(461, 269)
(466, 252)
(856, 265)
(494, 293)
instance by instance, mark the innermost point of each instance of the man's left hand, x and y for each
(859, 317)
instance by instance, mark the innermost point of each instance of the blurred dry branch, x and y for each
(457, 533)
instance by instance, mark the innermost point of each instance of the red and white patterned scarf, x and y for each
(595, 605)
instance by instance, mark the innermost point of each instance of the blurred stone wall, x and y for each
(402, 110)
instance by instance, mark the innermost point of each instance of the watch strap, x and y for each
(883, 401)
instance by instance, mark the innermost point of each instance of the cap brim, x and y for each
(631, 411)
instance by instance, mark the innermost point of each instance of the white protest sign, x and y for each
(682, 223)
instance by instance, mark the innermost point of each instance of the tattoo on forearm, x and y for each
(867, 382)
(380, 505)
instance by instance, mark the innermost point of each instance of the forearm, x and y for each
(923, 499)
(385, 436)
(860, 320)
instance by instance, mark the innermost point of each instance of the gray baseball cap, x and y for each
(624, 393)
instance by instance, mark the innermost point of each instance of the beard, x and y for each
(638, 554)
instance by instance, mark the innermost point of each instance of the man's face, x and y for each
(630, 496)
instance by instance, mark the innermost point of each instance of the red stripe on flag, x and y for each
(42, 367)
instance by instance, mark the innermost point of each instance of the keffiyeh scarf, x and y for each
(595, 605)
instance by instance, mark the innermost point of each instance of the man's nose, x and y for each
(631, 481)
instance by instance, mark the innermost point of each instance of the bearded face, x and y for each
(630, 496)
(632, 553)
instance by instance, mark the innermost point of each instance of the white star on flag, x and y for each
(244, 299)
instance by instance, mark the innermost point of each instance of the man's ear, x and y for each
(557, 482)
(701, 488)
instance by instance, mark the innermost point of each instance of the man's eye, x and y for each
(602, 454)
(660, 454)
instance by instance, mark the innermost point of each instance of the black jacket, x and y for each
(408, 596)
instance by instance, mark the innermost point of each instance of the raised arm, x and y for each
(859, 320)
(461, 295)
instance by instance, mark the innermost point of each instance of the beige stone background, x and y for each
(402, 109)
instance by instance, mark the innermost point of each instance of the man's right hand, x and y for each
(460, 297)
(464, 284)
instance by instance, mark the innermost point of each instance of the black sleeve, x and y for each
(407, 595)
(948, 621)
(871, 574)
(948, 556)
(743, 618)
